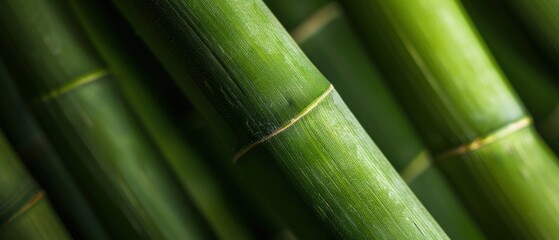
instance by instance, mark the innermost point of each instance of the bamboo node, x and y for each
(483, 141)
(28, 205)
(416, 167)
(314, 23)
(69, 86)
(288, 124)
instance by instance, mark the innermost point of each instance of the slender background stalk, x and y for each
(44, 164)
(71, 93)
(541, 20)
(466, 112)
(233, 212)
(25, 213)
(522, 64)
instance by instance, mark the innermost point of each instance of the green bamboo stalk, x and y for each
(541, 20)
(521, 63)
(25, 213)
(44, 164)
(294, 138)
(467, 113)
(71, 93)
(325, 36)
(216, 191)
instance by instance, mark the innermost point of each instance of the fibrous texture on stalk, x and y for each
(292, 134)
(224, 201)
(323, 33)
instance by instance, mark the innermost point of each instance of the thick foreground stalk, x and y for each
(325, 36)
(293, 136)
(71, 93)
(44, 164)
(232, 212)
(466, 112)
(25, 213)
(521, 63)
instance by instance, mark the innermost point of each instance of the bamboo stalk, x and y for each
(521, 63)
(293, 136)
(217, 192)
(44, 164)
(541, 20)
(71, 93)
(466, 112)
(325, 36)
(25, 213)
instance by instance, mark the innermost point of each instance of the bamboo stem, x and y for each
(540, 19)
(336, 51)
(24, 211)
(323, 173)
(523, 65)
(231, 211)
(455, 94)
(44, 164)
(117, 167)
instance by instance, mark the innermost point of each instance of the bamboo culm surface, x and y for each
(466, 113)
(323, 33)
(293, 136)
(232, 212)
(44, 164)
(523, 65)
(25, 213)
(70, 92)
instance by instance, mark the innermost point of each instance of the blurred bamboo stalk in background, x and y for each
(466, 112)
(521, 63)
(325, 36)
(226, 204)
(44, 164)
(541, 20)
(25, 213)
(70, 91)
(294, 137)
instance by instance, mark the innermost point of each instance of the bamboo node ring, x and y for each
(314, 23)
(485, 140)
(28, 205)
(416, 167)
(285, 126)
(69, 86)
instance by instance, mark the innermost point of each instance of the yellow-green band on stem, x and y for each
(28, 205)
(482, 141)
(314, 23)
(290, 123)
(80, 81)
(416, 167)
